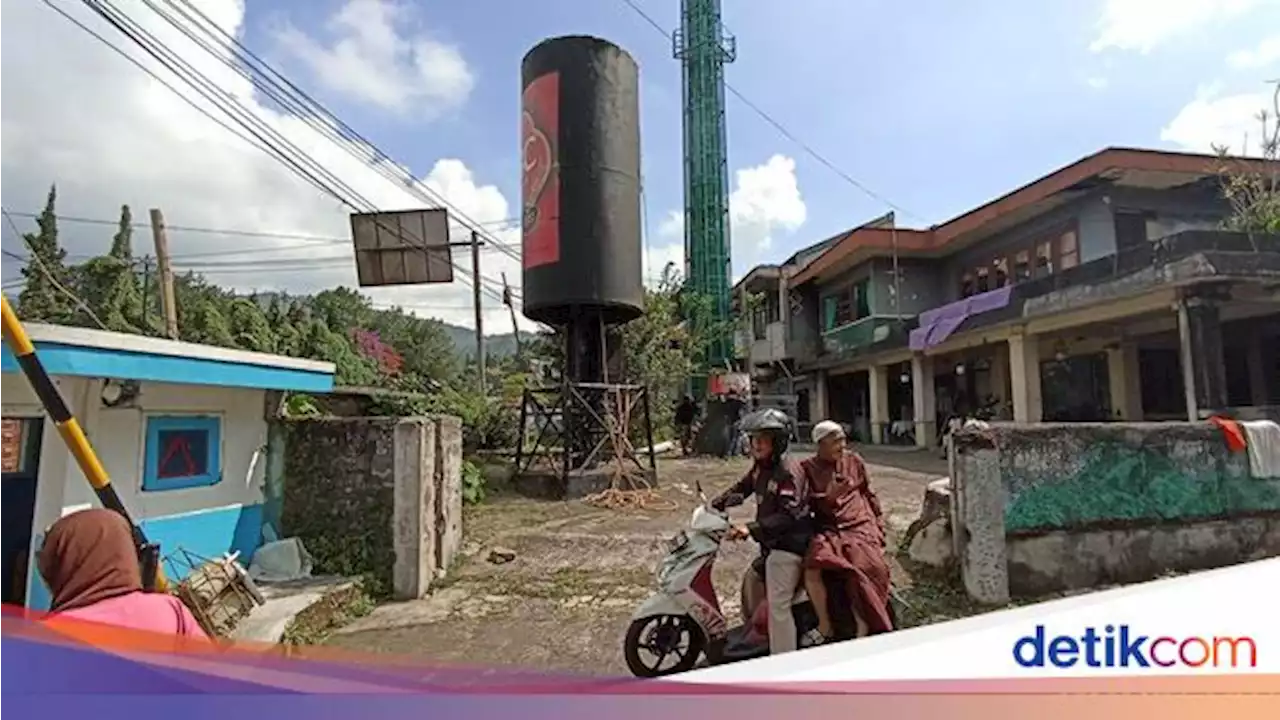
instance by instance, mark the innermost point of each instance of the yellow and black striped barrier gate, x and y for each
(24, 351)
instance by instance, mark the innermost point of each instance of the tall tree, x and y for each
(1254, 192)
(45, 294)
(249, 326)
(122, 243)
(109, 285)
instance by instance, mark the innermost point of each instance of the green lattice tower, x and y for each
(703, 47)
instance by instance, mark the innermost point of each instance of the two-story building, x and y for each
(1103, 291)
(775, 338)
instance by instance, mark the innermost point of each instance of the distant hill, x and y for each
(464, 339)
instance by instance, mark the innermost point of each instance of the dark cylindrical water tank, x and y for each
(580, 142)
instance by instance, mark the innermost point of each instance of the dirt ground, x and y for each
(564, 601)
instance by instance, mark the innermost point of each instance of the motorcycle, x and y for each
(683, 618)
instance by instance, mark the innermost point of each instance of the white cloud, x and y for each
(1213, 118)
(107, 134)
(1265, 55)
(374, 59)
(1143, 25)
(765, 201)
(1097, 83)
(656, 259)
(672, 226)
(667, 246)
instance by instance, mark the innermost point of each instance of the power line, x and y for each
(291, 156)
(298, 103)
(777, 125)
(306, 241)
(271, 141)
(222, 231)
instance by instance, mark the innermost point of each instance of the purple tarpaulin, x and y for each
(937, 324)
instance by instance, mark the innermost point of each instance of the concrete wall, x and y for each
(380, 497)
(920, 285)
(225, 516)
(1056, 507)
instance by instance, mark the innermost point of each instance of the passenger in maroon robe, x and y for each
(850, 533)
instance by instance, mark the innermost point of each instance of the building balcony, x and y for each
(770, 347)
(848, 340)
(1185, 258)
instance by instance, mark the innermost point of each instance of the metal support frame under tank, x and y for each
(583, 440)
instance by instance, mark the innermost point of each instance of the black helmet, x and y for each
(772, 421)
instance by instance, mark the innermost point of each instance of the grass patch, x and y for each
(313, 625)
(934, 595)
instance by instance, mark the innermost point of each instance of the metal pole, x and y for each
(475, 292)
(515, 328)
(24, 351)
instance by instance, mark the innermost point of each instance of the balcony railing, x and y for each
(848, 339)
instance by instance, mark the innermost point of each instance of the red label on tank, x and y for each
(540, 129)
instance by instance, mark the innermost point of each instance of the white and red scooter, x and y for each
(683, 620)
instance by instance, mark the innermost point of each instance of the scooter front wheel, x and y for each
(652, 640)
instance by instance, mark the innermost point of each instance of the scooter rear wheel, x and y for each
(661, 636)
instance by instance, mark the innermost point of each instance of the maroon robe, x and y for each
(850, 537)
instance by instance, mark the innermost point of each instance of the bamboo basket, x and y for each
(218, 592)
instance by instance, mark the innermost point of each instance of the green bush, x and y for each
(472, 483)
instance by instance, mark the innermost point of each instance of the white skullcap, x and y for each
(825, 429)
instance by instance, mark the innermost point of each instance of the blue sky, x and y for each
(935, 105)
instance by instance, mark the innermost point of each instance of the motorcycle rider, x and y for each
(783, 524)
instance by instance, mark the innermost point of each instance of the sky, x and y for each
(924, 107)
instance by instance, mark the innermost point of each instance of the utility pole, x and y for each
(167, 301)
(475, 298)
(511, 308)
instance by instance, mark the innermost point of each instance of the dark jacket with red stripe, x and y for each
(783, 520)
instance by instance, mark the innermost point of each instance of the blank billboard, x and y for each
(407, 247)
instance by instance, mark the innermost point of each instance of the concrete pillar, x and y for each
(414, 513)
(923, 401)
(978, 507)
(818, 409)
(1258, 391)
(1204, 370)
(448, 489)
(1024, 378)
(878, 383)
(1125, 382)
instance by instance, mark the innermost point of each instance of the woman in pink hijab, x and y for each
(90, 563)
